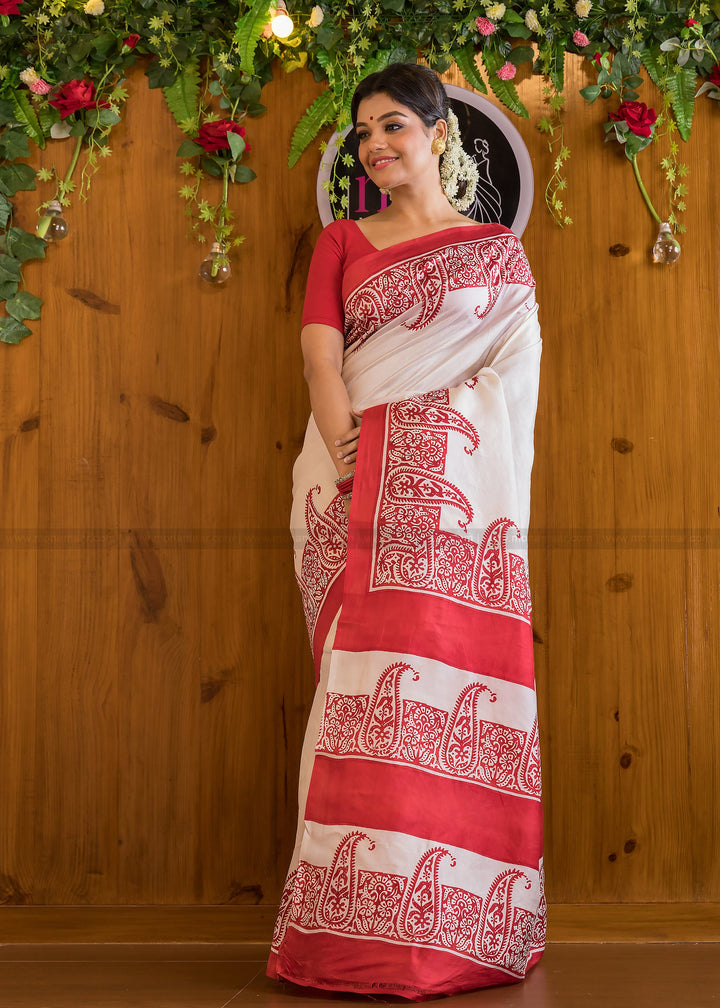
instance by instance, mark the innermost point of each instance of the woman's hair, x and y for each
(414, 86)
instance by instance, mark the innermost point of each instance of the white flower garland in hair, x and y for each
(457, 166)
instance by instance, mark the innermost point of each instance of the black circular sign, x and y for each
(505, 186)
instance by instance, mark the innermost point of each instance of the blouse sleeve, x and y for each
(323, 295)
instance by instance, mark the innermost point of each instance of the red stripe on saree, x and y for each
(390, 797)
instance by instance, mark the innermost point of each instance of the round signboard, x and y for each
(505, 187)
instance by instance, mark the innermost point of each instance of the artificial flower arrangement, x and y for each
(62, 66)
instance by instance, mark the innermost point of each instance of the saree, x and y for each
(418, 869)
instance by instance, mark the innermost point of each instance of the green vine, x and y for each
(212, 58)
(552, 126)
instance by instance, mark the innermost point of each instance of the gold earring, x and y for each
(437, 146)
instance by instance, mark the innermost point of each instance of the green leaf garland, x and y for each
(212, 60)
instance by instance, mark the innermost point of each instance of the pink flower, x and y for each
(484, 26)
(507, 71)
(39, 86)
(691, 22)
(580, 39)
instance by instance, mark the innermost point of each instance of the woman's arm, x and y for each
(322, 347)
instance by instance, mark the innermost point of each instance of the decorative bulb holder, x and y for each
(215, 267)
(52, 226)
(666, 248)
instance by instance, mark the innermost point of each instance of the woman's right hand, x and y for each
(347, 444)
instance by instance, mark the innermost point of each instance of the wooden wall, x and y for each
(154, 668)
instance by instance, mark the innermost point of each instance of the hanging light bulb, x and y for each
(666, 248)
(281, 22)
(52, 226)
(215, 268)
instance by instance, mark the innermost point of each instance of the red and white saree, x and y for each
(418, 864)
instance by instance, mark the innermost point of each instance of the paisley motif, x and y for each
(338, 897)
(323, 555)
(411, 550)
(420, 919)
(496, 926)
(418, 909)
(460, 747)
(419, 285)
(380, 729)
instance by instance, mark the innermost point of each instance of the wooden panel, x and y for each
(19, 420)
(155, 667)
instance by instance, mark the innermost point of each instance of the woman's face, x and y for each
(394, 144)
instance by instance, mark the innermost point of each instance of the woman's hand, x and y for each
(347, 444)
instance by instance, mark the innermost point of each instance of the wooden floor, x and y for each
(220, 976)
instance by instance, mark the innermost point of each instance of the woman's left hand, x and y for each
(347, 444)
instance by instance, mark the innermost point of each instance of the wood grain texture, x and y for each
(575, 922)
(155, 668)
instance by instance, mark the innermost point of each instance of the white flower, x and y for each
(94, 7)
(531, 20)
(317, 16)
(456, 166)
(583, 8)
(495, 11)
(28, 76)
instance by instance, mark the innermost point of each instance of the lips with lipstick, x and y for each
(382, 162)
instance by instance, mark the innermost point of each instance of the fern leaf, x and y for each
(25, 114)
(465, 59)
(654, 66)
(248, 31)
(504, 90)
(321, 112)
(183, 95)
(680, 86)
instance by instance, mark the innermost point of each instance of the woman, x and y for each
(418, 864)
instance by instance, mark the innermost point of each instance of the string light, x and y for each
(281, 22)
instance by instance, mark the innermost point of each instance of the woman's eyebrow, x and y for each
(385, 116)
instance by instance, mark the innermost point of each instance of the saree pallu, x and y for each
(418, 864)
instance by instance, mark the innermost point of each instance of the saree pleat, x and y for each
(418, 864)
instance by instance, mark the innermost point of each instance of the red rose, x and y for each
(637, 115)
(212, 136)
(691, 22)
(10, 6)
(596, 59)
(75, 95)
(131, 41)
(714, 76)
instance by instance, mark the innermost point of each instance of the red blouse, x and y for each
(339, 246)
